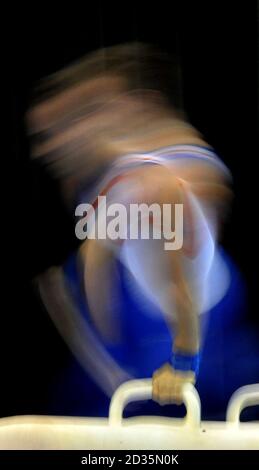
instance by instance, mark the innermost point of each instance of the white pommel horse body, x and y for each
(138, 433)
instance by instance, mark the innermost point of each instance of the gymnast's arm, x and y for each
(168, 381)
(99, 281)
(183, 366)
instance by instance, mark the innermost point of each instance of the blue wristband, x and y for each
(185, 362)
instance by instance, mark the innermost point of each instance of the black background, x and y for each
(217, 46)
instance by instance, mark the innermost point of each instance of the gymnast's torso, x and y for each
(145, 260)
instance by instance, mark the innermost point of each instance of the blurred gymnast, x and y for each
(112, 125)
